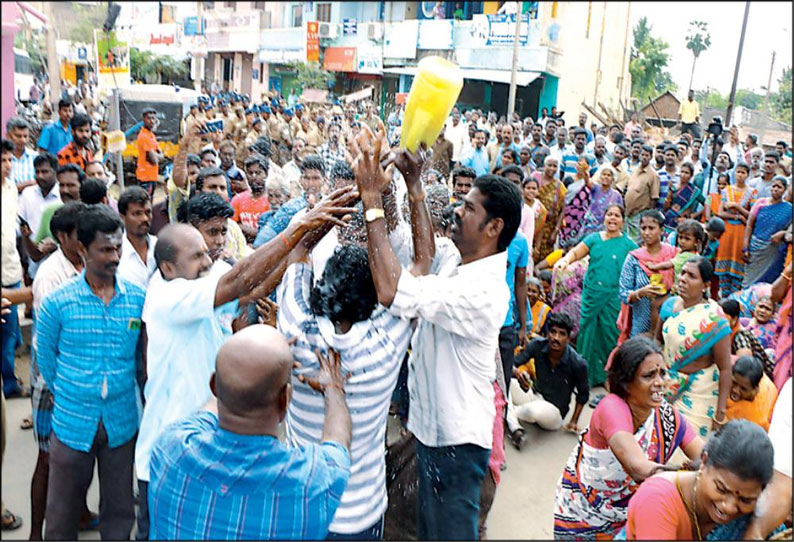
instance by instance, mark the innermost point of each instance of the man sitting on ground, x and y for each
(558, 370)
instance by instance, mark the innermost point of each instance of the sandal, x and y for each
(27, 423)
(517, 438)
(11, 521)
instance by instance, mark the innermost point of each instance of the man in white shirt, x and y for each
(457, 133)
(188, 304)
(34, 199)
(459, 316)
(137, 247)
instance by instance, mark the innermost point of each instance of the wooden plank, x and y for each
(612, 119)
(658, 116)
(595, 113)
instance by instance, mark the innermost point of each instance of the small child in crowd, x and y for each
(714, 230)
(690, 239)
(537, 309)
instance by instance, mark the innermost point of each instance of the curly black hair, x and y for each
(346, 290)
(202, 207)
(626, 362)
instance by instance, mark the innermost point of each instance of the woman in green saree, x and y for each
(598, 331)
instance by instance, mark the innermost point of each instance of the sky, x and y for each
(769, 29)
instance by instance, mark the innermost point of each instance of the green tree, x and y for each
(86, 17)
(151, 68)
(780, 101)
(649, 58)
(749, 99)
(311, 75)
(697, 40)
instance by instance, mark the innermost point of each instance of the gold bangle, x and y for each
(720, 422)
(785, 276)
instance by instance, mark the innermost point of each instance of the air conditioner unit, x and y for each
(328, 30)
(374, 31)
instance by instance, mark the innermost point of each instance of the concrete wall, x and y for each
(579, 61)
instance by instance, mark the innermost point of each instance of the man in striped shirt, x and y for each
(222, 474)
(451, 368)
(342, 312)
(86, 343)
(22, 171)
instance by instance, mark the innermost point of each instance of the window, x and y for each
(324, 12)
(259, 5)
(261, 72)
(229, 4)
(297, 15)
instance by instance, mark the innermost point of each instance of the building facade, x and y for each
(569, 52)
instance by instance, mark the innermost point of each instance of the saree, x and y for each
(593, 220)
(577, 202)
(566, 291)
(538, 313)
(729, 266)
(552, 196)
(782, 371)
(592, 495)
(689, 335)
(684, 199)
(748, 298)
(598, 331)
(766, 258)
(765, 333)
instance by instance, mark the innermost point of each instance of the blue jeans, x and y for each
(373, 533)
(10, 340)
(450, 478)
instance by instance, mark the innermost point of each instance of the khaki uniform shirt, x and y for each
(643, 188)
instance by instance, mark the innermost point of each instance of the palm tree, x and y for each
(697, 41)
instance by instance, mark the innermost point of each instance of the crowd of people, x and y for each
(227, 337)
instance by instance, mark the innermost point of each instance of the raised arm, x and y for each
(180, 162)
(259, 272)
(330, 381)
(372, 181)
(410, 165)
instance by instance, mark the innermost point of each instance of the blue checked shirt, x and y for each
(54, 137)
(22, 169)
(271, 226)
(211, 484)
(86, 352)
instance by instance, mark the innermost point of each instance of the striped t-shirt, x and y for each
(371, 351)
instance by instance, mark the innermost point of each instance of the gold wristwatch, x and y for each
(371, 215)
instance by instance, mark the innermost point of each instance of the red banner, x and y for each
(312, 42)
(340, 59)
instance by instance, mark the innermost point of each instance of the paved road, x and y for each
(522, 508)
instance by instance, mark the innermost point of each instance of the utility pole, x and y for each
(625, 52)
(600, 50)
(53, 67)
(738, 61)
(766, 100)
(115, 125)
(511, 100)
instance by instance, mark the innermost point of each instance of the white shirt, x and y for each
(780, 430)
(11, 267)
(131, 267)
(457, 135)
(451, 369)
(32, 204)
(52, 272)
(185, 333)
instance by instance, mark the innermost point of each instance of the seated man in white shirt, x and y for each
(188, 304)
(459, 312)
(137, 247)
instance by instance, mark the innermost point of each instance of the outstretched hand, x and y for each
(371, 178)
(267, 311)
(329, 375)
(331, 209)
(410, 164)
